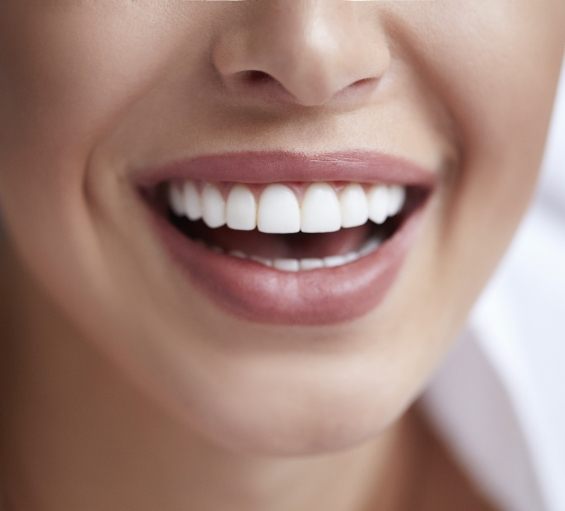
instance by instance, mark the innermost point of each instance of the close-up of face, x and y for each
(275, 209)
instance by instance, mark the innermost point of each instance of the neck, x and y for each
(75, 434)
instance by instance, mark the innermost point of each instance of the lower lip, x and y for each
(261, 294)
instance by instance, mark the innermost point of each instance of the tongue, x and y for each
(273, 246)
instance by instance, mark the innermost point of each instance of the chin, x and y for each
(276, 411)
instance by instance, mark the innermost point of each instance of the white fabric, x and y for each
(499, 399)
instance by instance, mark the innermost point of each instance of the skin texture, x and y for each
(129, 392)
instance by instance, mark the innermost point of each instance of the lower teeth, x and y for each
(295, 265)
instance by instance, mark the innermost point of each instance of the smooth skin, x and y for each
(124, 387)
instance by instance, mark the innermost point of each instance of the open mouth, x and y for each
(289, 241)
(291, 227)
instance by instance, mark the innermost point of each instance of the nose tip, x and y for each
(327, 58)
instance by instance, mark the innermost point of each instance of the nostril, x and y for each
(263, 86)
(255, 77)
(255, 83)
(363, 82)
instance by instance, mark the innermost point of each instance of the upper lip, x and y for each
(283, 166)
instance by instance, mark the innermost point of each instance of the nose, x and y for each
(307, 52)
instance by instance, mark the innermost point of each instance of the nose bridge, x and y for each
(312, 48)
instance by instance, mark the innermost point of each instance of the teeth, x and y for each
(239, 254)
(340, 260)
(307, 264)
(311, 264)
(192, 203)
(291, 265)
(213, 207)
(378, 203)
(241, 209)
(279, 211)
(176, 199)
(352, 256)
(370, 246)
(320, 209)
(262, 260)
(396, 199)
(334, 261)
(354, 206)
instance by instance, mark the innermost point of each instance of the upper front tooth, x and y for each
(213, 207)
(396, 199)
(176, 199)
(354, 206)
(241, 209)
(320, 209)
(378, 203)
(278, 211)
(192, 203)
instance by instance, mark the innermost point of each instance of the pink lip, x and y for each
(280, 166)
(265, 295)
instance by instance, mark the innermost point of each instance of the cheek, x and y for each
(68, 74)
(503, 103)
(67, 77)
(496, 69)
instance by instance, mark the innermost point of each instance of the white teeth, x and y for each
(176, 199)
(241, 209)
(352, 256)
(278, 211)
(306, 264)
(192, 203)
(213, 207)
(354, 206)
(320, 209)
(370, 246)
(262, 260)
(291, 265)
(239, 254)
(333, 261)
(378, 203)
(396, 199)
(311, 264)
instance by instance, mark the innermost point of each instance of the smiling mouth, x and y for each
(291, 227)
(290, 241)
